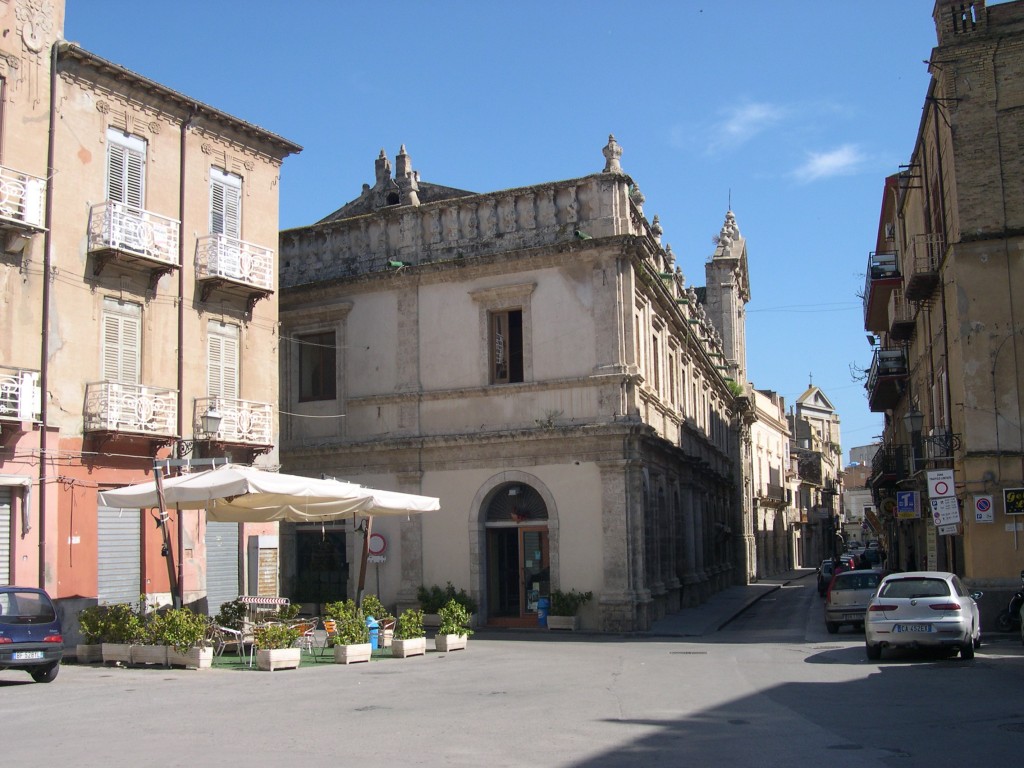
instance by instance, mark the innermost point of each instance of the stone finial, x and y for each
(637, 197)
(670, 258)
(656, 229)
(403, 164)
(612, 152)
(406, 178)
(382, 169)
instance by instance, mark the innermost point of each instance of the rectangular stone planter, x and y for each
(89, 653)
(116, 652)
(149, 654)
(417, 646)
(269, 659)
(446, 643)
(193, 658)
(563, 622)
(352, 654)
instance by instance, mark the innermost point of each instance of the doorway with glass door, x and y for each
(518, 564)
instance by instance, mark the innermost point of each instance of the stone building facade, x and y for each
(943, 289)
(138, 290)
(534, 358)
(817, 466)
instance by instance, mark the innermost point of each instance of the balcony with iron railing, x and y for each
(131, 235)
(890, 464)
(234, 265)
(902, 317)
(22, 199)
(20, 396)
(922, 276)
(771, 494)
(883, 277)
(886, 379)
(245, 422)
(112, 406)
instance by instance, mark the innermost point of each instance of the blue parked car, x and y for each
(30, 633)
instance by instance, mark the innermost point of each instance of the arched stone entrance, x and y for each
(516, 552)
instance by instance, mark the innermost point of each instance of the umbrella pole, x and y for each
(367, 527)
(168, 550)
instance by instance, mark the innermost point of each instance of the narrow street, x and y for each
(772, 688)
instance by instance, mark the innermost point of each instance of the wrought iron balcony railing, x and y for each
(242, 421)
(111, 406)
(925, 256)
(883, 276)
(225, 258)
(20, 397)
(115, 228)
(21, 198)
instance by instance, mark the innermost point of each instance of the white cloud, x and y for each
(742, 123)
(841, 161)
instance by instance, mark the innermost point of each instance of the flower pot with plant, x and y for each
(90, 624)
(410, 639)
(274, 647)
(122, 628)
(432, 599)
(184, 632)
(372, 606)
(564, 607)
(351, 637)
(453, 632)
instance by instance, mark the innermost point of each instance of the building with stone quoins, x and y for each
(138, 283)
(535, 358)
(945, 284)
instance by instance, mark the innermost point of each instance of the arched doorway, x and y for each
(518, 565)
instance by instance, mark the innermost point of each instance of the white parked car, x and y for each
(846, 600)
(923, 609)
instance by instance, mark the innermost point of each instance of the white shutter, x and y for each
(222, 361)
(126, 169)
(225, 204)
(121, 342)
(5, 536)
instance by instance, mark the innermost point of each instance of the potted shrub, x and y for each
(372, 606)
(564, 606)
(433, 599)
(184, 633)
(274, 647)
(453, 632)
(122, 628)
(410, 639)
(351, 638)
(91, 625)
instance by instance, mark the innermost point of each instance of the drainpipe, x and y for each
(44, 345)
(179, 593)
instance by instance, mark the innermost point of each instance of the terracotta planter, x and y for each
(116, 652)
(149, 654)
(417, 646)
(269, 659)
(193, 658)
(352, 654)
(563, 622)
(89, 653)
(446, 643)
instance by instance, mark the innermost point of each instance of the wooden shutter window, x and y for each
(121, 341)
(225, 204)
(222, 361)
(126, 169)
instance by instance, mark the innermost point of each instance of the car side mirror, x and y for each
(976, 596)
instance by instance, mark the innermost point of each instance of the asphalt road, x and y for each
(772, 688)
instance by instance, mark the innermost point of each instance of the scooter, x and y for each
(1009, 618)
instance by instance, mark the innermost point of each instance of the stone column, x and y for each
(621, 495)
(411, 539)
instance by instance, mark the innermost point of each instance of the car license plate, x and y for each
(853, 616)
(912, 628)
(22, 655)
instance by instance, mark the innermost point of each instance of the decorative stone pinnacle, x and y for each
(612, 152)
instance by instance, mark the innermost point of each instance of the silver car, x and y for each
(923, 609)
(847, 598)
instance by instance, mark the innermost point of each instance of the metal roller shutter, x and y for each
(119, 552)
(5, 535)
(222, 585)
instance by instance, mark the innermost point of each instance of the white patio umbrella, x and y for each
(240, 494)
(237, 493)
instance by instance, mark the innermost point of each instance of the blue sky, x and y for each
(795, 110)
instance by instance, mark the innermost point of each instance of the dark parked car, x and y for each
(30, 633)
(824, 576)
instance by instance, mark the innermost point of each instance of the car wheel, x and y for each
(832, 627)
(1003, 621)
(46, 674)
(977, 641)
(874, 651)
(967, 650)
